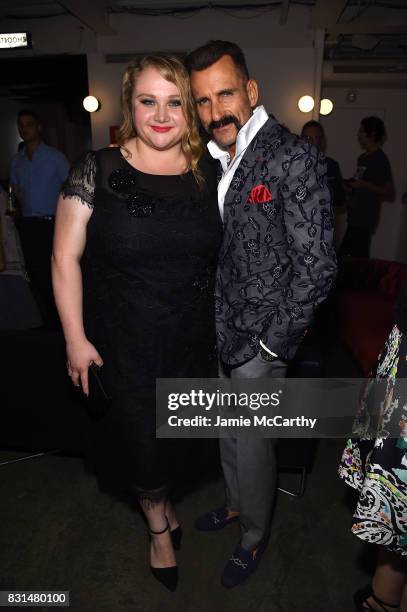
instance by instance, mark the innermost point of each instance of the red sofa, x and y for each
(366, 294)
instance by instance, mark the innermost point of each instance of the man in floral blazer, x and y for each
(277, 263)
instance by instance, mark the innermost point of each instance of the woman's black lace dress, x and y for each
(148, 276)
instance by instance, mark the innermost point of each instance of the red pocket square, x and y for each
(259, 194)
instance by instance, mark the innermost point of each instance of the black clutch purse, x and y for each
(99, 398)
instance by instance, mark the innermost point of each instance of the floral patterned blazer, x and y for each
(277, 261)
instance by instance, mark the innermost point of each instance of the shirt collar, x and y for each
(244, 137)
(42, 146)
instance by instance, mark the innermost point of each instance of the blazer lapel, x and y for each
(245, 177)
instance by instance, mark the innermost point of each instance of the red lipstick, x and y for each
(160, 129)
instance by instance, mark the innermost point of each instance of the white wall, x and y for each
(284, 75)
(281, 58)
(341, 127)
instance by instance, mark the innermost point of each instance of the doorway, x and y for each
(53, 86)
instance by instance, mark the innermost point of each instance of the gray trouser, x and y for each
(249, 466)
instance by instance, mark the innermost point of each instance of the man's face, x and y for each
(28, 128)
(314, 135)
(224, 100)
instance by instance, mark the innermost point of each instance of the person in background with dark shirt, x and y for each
(372, 183)
(36, 175)
(314, 133)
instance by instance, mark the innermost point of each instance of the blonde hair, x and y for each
(174, 71)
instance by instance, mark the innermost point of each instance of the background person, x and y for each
(372, 184)
(374, 463)
(143, 219)
(18, 309)
(314, 133)
(36, 175)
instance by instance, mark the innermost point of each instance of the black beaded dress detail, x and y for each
(148, 276)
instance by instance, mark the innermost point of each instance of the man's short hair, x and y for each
(214, 50)
(313, 124)
(26, 112)
(374, 128)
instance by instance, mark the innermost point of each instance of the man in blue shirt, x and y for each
(36, 175)
(314, 133)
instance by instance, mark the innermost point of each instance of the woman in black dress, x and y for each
(136, 242)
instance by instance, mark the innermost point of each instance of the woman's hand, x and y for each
(79, 357)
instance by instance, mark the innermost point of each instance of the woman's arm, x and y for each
(69, 243)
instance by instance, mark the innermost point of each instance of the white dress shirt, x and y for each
(244, 138)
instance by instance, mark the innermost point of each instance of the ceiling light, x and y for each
(91, 104)
(326, 106)
(306, 104)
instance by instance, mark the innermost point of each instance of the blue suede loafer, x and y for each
(215, 520)
(241, 565)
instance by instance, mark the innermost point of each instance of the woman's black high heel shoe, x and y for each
(360, 598)
(176, 537)
(168, 576)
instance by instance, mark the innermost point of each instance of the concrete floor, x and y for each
(58, 531)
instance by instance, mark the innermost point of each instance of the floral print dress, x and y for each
(377, 466)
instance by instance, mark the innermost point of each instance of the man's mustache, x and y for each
(227, 120)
